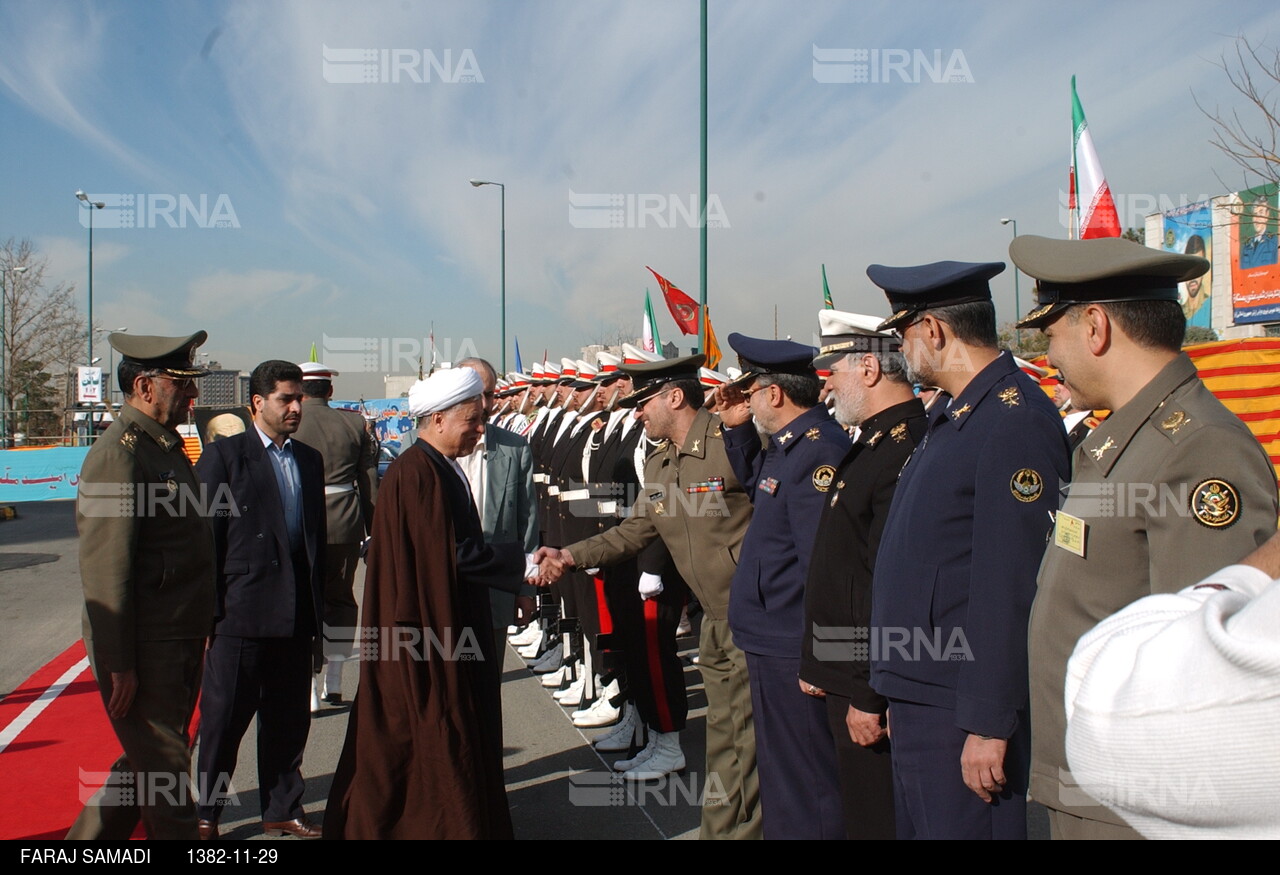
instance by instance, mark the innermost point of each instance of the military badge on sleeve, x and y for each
(1215, 503)
(1026, 485)
(1009, 396)
(823, 476)
(899, 432)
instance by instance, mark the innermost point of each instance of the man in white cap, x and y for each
(425, 726)
(350, 488)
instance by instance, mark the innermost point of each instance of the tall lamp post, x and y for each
(477, 183)
(4, 354)
(1017, 306)
(90, 206)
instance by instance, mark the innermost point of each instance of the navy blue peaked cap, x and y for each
(912, 290)
(758, 356)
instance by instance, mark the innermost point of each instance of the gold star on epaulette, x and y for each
(786, 437)
(1175, 421)
(1009, 396)
(875, 439)
(813, 434)
(1097, 454)
(956, 414)
(899, 432)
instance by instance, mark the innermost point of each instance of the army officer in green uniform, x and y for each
(147, 566)
(1170, 488)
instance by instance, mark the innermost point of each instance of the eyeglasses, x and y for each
(902, 332)
(640, 405)
(178, 382)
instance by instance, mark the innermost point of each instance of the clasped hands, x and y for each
(548, 565)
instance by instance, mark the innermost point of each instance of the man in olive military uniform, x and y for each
(694, 503)
(869, 385)
(350, 489)
(1171, 487)
(788, 482)
(147, 565)
(956, 570)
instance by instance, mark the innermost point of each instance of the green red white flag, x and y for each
(1093, 210)
(649, 339)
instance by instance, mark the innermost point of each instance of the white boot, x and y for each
(601, 713)
(315, 695)
(667, 757)
(530, 650)
(332, 692)
(647, 751)
(622, 735)
(571, 696)
(530, 634)
(553, 679)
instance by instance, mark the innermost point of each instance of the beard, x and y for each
(850, 408)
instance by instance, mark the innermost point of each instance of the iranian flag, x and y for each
(1091, 203)
(649, 338)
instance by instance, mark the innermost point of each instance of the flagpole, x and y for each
(702, 188)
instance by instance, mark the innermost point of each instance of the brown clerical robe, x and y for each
(422, 759)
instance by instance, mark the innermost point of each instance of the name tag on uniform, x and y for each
(1069, 533)
(769, 485)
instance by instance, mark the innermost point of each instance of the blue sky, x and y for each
(355, 219)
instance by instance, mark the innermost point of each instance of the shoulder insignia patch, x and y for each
(1215, 503)
(1175, 421)
(875, 438)
(813, 434)
(1097, 454)
(1009, 396)
(823, 475)
(956, 414)
(898, 432)
(129, 440)
(1026, 485)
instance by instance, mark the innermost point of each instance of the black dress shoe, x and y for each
(208, 830)
(299, 827)
(334, 698)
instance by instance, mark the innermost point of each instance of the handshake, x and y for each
(547, 565)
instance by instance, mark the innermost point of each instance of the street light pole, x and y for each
(477, 183)
(91, 205)
(1017, 306)
(4, 353)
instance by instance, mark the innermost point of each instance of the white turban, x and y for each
(443, 389)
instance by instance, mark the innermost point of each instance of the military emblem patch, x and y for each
(1175, 421)
(1026, 485)
(129, 440)
(813, 434)
(1009, 396)
(899, 432)
(786, 437)
(956, 414)
(875, 439)
(1215, 503)
(1097, 454)
(659, 509)
(694, 447)
(823, 475)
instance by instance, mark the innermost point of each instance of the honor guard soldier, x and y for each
(694, 503)
(788, 482)
(871, 391)
(955, 573)
(148, 575)
(350, 489)
(1170, 487)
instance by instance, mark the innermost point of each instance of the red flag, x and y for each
(683, 308)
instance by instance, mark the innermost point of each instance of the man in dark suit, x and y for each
(270, 588)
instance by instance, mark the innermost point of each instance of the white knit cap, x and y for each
(443, 389)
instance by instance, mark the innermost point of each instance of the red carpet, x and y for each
(51, 760)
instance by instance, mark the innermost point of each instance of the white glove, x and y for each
(650, 585)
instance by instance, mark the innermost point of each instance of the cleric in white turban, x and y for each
(442, 390)
(426, 724)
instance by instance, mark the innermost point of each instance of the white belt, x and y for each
(553, 490)
(339, 490)
(607, 507)
(541, 478)
(575, 495)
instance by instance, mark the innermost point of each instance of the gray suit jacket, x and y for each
(511, 510)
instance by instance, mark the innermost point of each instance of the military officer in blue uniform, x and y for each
(956, 571)
(789, 481)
